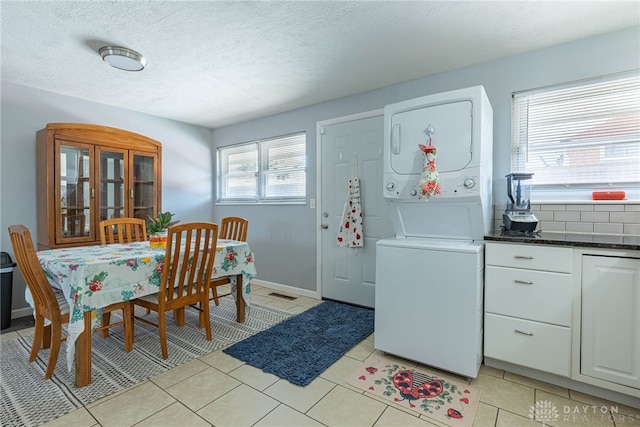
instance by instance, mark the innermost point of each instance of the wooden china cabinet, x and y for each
(88, 173)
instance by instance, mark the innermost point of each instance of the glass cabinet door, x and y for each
(112, 200)
(144, 184)
(74, 191)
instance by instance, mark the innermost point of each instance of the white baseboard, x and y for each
(286, 288)
(21, 312)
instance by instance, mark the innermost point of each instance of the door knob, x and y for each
(325, 226)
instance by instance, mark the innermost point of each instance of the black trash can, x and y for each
(6, 272)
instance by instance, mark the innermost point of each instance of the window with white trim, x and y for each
(577, 137)
(269, 170)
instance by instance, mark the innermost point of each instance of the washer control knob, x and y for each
(413, 192)
(469, 183)
(390, 186)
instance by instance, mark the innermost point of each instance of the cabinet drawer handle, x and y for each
(523, 257)
(131, 193)
(522, 282)
(529, 334)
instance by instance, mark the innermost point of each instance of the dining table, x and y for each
(93, 277)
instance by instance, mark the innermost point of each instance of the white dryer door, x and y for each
(453, 129)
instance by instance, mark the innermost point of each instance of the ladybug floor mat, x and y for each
(445, 400)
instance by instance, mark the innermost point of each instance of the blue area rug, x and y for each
(303, 346)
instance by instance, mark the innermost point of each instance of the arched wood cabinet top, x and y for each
(103, 135)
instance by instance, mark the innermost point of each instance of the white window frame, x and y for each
(556, 123)
(261, 191)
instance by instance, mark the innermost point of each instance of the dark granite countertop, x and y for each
(602, 241)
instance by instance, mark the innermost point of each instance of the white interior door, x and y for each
(348, 274)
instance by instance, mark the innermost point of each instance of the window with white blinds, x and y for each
(270, 170)
(581, 135)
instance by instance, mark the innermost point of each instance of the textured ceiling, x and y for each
(213, 63)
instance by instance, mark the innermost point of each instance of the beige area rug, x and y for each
(28, 400)
(443, 399)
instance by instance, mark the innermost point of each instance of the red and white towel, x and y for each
(430, 180)
(350, 233)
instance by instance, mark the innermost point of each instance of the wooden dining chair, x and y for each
(232, 228)
(122, 230)
(51, 304)
(186, 272)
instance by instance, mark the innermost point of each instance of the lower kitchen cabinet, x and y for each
(535, 345)
(610, 341)
(528, 306)
(568, 315)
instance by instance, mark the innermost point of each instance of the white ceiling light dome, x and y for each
(123, 58)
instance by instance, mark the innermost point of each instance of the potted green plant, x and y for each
(157, 228)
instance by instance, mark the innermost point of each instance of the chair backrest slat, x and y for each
(234, 228)
(122, 230)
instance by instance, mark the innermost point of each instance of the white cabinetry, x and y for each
(528, 306)
(610, 341)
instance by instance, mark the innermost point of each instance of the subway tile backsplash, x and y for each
(619, 220)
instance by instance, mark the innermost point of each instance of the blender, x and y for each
(518, 216)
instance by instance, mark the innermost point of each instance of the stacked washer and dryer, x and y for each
(429, 278)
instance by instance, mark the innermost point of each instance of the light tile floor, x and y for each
(219, 390)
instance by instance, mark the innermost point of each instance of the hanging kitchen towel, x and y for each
(350, 232)
(430, 180)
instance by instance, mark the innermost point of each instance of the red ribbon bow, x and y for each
(426, 149)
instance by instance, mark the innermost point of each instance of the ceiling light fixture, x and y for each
(122, 58)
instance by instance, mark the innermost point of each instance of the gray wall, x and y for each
(186, 152)
(284, 237)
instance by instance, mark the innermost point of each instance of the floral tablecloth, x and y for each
(93, 277)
